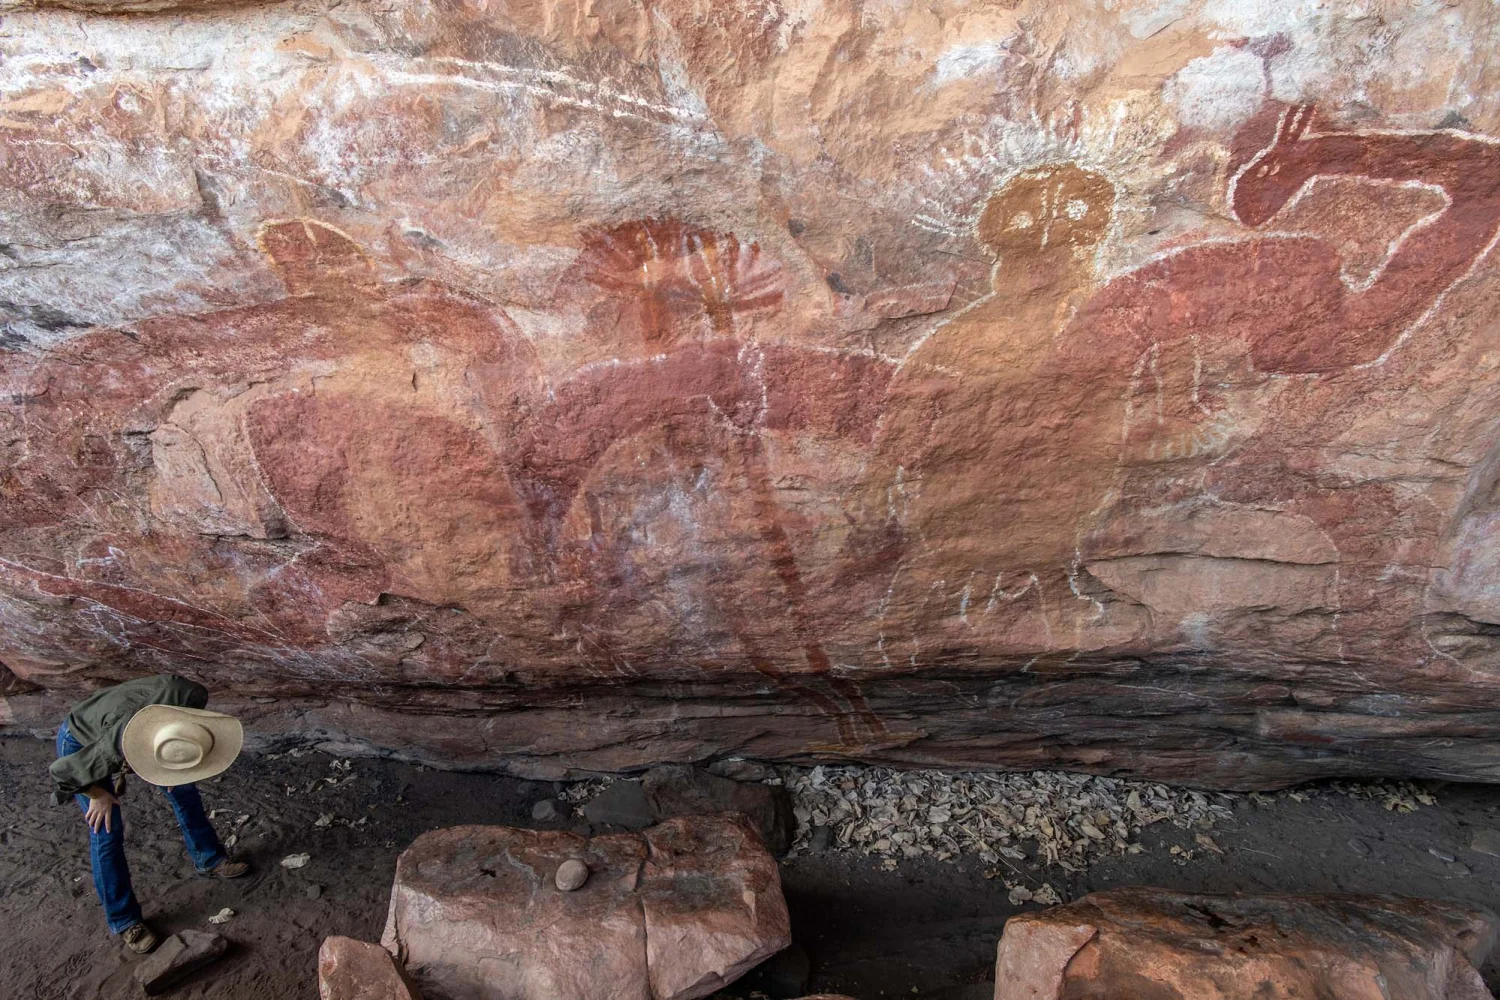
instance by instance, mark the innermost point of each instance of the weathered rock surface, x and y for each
(177, 958)
(622, 804)
(680, 790)
(738, 769)
(559, 385)
(672, 913)
(11, 685)
(1160, 943)
(358, 970)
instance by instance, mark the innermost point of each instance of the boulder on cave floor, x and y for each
(673, 912)
(621, 804)
(682, 790)
(358, 970)
(1146, 942)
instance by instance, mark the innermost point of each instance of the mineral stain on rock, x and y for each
(740, 391)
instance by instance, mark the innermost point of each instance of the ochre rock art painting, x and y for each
(1086, 402)
(672, 281)
(595, 391)
(704, 404)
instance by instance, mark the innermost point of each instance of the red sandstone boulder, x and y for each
(1159, 943)
(357, 970)
(671, 913)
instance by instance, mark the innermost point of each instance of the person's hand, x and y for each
(101, 810)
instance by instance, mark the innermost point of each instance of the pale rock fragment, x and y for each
(571, 875)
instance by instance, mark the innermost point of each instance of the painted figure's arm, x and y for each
(1429, 257)
(689, 393)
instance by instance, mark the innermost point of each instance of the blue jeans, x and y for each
(107, 848)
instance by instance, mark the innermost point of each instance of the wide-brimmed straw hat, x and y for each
(168, 745)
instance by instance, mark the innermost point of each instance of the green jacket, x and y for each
(98, 721)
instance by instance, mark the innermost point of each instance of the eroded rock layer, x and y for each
(1107, 385)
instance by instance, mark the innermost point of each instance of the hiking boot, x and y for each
(225, 869)
(139, 938)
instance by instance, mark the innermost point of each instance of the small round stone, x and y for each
(571, 875)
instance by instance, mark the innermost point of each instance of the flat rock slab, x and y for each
(671, 913)
(622, 804)
(358, 970)
(1143, 942)
(681, 790)
(178, 957)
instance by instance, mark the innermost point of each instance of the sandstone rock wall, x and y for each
(1107, 384)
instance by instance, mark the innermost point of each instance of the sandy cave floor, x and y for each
(929, 927)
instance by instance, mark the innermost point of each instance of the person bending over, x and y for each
(156, 727)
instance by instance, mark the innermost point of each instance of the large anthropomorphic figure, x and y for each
(158, 728)
(1026, 426)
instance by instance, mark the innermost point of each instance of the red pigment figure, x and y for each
(1062, 391)
(710, 397)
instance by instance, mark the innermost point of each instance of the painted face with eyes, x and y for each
(1054, 209)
